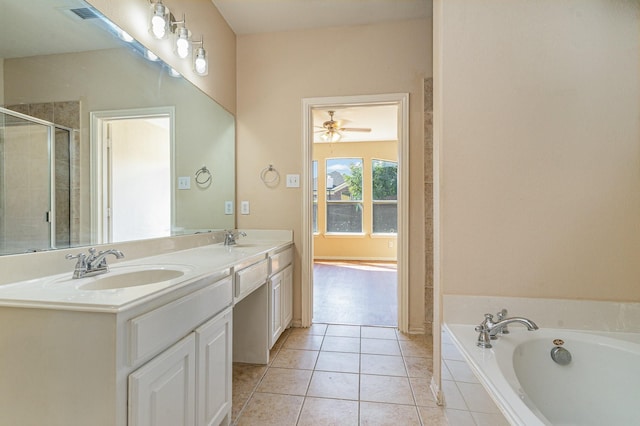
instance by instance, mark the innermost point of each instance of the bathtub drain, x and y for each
(561, 355)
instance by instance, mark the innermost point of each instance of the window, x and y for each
(344, 195)
(314, 166)
(384, 182)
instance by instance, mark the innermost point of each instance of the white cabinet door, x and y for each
(214, 344)
(162, 392)
(275, 308)
(287, 297)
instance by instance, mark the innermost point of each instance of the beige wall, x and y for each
(277, 70)
(540, 148)
(203, 19)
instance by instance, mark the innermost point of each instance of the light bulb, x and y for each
(159, 21)
(182, 42)
(200, 62)
(173, 72)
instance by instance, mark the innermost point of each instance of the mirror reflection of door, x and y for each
(139, 178)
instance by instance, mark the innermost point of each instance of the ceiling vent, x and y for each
(84, 13)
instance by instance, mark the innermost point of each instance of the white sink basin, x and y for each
(131, 279)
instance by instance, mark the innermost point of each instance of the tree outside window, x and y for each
(344, 195)
(385, 196)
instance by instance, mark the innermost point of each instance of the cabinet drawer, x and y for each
(250, 278)
(280, 260)
(152, 332)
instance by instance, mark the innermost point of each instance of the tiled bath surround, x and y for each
(428, 203)
(552, 313)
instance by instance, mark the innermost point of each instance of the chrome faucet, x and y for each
(94, 264)
(230, 237)
(489, 329)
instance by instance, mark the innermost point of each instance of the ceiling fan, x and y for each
(331, 129)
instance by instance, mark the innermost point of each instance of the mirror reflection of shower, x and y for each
(36, 158)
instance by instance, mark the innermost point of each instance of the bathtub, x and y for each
(600, 386)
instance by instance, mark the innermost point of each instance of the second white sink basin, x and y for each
(131, 279)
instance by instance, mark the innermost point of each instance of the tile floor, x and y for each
(355, 375)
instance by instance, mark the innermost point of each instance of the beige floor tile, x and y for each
(459, 417)
(416, 347)
(379, 347)
(303, 341)
(452, 396)
(296, 358)
(489, 419)
(380, 414)
(328, 412)
(395, 390)
(450, 351)
(327, 384)
(378, 333)
(315, 329)
(341, 362)
(422, 392)
(384, 365)
(247, 376)
(285, 381)
(460, 371)
(267, 409)
(341, 344)
(477, 398)
(343, 330)
(419, 367)
(433, 416)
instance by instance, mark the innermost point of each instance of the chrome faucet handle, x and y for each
(502, 315)
(81, 265)
(484, 340)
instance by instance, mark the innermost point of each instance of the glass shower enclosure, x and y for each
(34, 184)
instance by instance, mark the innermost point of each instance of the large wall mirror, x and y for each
(99, 142)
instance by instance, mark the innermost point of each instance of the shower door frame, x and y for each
(51, 128)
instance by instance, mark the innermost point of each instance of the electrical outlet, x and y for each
(184, 182)
(293, 181)
(228, 207)
(244, 207)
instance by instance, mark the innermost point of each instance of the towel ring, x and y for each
(270, 176)
(203, 176)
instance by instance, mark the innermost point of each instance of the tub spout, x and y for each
(488, 329)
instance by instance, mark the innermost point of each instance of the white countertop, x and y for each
(62, 292)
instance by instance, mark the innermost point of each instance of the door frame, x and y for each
(99, 162)
(308, 104)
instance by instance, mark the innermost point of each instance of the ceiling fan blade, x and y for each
(355, 129)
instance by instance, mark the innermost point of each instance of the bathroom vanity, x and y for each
(149, 343)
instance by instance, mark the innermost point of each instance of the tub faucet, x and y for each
(230, 237)
(488, 329)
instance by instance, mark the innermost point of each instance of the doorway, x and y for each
(336, 215)
(135, 168)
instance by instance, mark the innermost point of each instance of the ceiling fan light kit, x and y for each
(331, 129)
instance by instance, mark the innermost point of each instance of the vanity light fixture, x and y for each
(174, 73)
(182, 40)
(200, 61)
(159, 20)
(124, 35)
(150, 55)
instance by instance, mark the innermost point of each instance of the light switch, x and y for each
(228, 207)
(244, 207)
(293, 181)
(184, 182)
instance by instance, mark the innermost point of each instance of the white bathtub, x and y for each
(601, 385)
